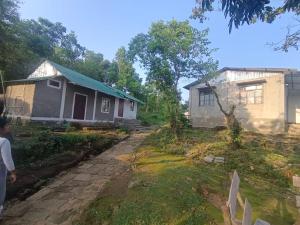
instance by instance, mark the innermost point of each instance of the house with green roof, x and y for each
(56, 93)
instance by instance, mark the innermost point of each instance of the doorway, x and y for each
(79, 106)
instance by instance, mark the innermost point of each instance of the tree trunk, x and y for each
(233, 125)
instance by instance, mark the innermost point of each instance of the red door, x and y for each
(121, 107)
(79, 107)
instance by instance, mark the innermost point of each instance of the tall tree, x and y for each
(169, 52)
(250, 11)
(128, 79)
(12, 51)
(23, 43)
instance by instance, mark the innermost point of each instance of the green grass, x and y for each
(170, 179)
(166, 192)
(151, 118)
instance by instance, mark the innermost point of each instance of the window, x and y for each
(105, 105)
(206, 97)
(132, 105)
(251, 94)
(54, 84)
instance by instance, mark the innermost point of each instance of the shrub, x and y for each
(151, 118)
(75, 125)
(46, 144)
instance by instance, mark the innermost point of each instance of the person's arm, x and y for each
(7, 159)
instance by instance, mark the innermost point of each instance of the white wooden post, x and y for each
(62, 102)
(95, 105)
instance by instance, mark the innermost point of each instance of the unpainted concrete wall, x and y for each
(266, 117)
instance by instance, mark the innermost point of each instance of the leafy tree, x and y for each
(233, 125)
(23, 43)
(128, 79)
(91, 64)
(169, 52)
(12, 51)
(250, 11)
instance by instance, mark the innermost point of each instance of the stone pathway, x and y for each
(62, 201)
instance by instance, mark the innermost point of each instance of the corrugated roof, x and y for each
(82, 80)
(91, 83)
(258, 69)
(283, 70)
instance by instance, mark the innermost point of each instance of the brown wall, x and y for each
(47, 100)
(20, 99)
(266, 117)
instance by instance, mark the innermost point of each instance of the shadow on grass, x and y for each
(281, 214)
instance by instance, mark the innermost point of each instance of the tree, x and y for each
(169, 52)
(233, 125)
(128, 79)
(23, 43)
(12, 51)
(250, 11)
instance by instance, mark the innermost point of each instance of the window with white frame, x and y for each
(206, 98)
(54, 84)
(251, 94)
(105, 105)
(132, 105)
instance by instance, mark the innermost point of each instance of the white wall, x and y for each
(293, 98)
(127, 113)
(45, 70)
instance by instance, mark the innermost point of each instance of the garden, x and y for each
(171, 183)
(42, 151)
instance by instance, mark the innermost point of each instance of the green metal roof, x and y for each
(88, 82)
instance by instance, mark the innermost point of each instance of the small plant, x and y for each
(124, 129)
(75, 125)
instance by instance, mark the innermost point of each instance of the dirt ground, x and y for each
(118, 186)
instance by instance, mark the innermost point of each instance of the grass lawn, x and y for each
(171, 184)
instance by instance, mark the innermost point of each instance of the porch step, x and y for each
(294, 129)
(131, 124)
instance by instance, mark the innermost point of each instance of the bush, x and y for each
(46, 144)
(124, 129)
(76, 126)
(151, 118)
(184, 122)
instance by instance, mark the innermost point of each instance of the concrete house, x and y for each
(267, 99)
(55, 93)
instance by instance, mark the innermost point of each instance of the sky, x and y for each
(105, 25)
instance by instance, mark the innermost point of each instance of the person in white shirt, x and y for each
(6, 161)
